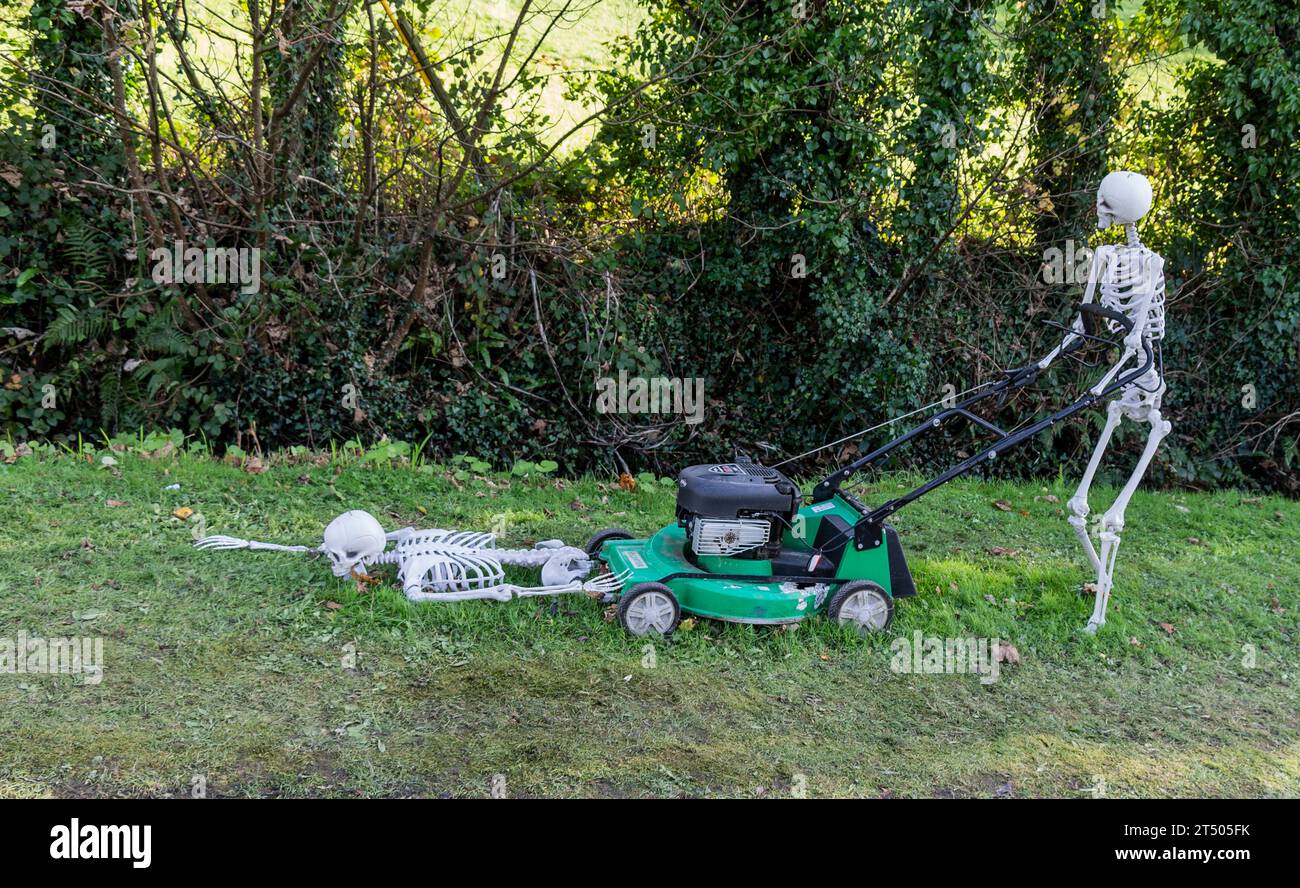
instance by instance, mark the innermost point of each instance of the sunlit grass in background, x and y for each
(578, 42)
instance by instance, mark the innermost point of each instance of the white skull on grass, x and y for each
(351, 540)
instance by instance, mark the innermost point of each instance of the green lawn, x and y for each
(263, 675)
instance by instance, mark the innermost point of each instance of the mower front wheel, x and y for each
(861, 604)
(649, 607)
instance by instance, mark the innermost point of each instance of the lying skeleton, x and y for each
(442, 565)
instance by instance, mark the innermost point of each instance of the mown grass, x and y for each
(264, 675)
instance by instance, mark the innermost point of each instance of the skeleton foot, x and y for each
(1111, 526)
(1098, 618)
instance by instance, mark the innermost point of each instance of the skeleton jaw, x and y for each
(343, 569)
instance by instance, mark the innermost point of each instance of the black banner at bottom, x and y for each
(140, 838)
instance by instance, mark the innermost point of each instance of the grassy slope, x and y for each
(229, 664)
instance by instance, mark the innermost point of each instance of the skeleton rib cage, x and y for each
(1129, 274)
(448, 561)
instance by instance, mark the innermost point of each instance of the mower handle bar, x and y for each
(868, 529)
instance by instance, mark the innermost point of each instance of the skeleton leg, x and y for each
(415, 592)
(1079, 502)
(602, 585)
(1112, 523)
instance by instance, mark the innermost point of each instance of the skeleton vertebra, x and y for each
(1128, 279)
(443, 565)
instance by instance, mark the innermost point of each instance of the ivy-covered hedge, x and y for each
(831, 212)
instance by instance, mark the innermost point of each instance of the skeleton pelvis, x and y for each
(1142, 396)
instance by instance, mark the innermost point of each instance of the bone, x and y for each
(217, 541)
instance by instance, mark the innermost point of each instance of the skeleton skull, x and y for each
(351, 540)
(1122, 199)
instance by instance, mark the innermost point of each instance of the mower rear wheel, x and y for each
(649, 607)
(604, 536)
(862, 604)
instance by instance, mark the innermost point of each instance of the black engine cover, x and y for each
(734, 490)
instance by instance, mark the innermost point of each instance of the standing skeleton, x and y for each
(1127, 281)
(442, 565)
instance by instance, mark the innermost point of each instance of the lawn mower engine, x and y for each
(735, 510)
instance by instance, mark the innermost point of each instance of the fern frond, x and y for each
(71, 326)
(161, 336)
(110, 398)
(84, 253)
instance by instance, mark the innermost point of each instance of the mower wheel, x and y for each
(649, 607)
(604, 536)
(862, 604)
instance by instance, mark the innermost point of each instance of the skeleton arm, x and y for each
(605, 584)
(217, 541)
(1095, 270)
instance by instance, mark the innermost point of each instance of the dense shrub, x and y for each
(828, 210)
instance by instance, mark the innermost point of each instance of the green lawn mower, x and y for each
(747, 547)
